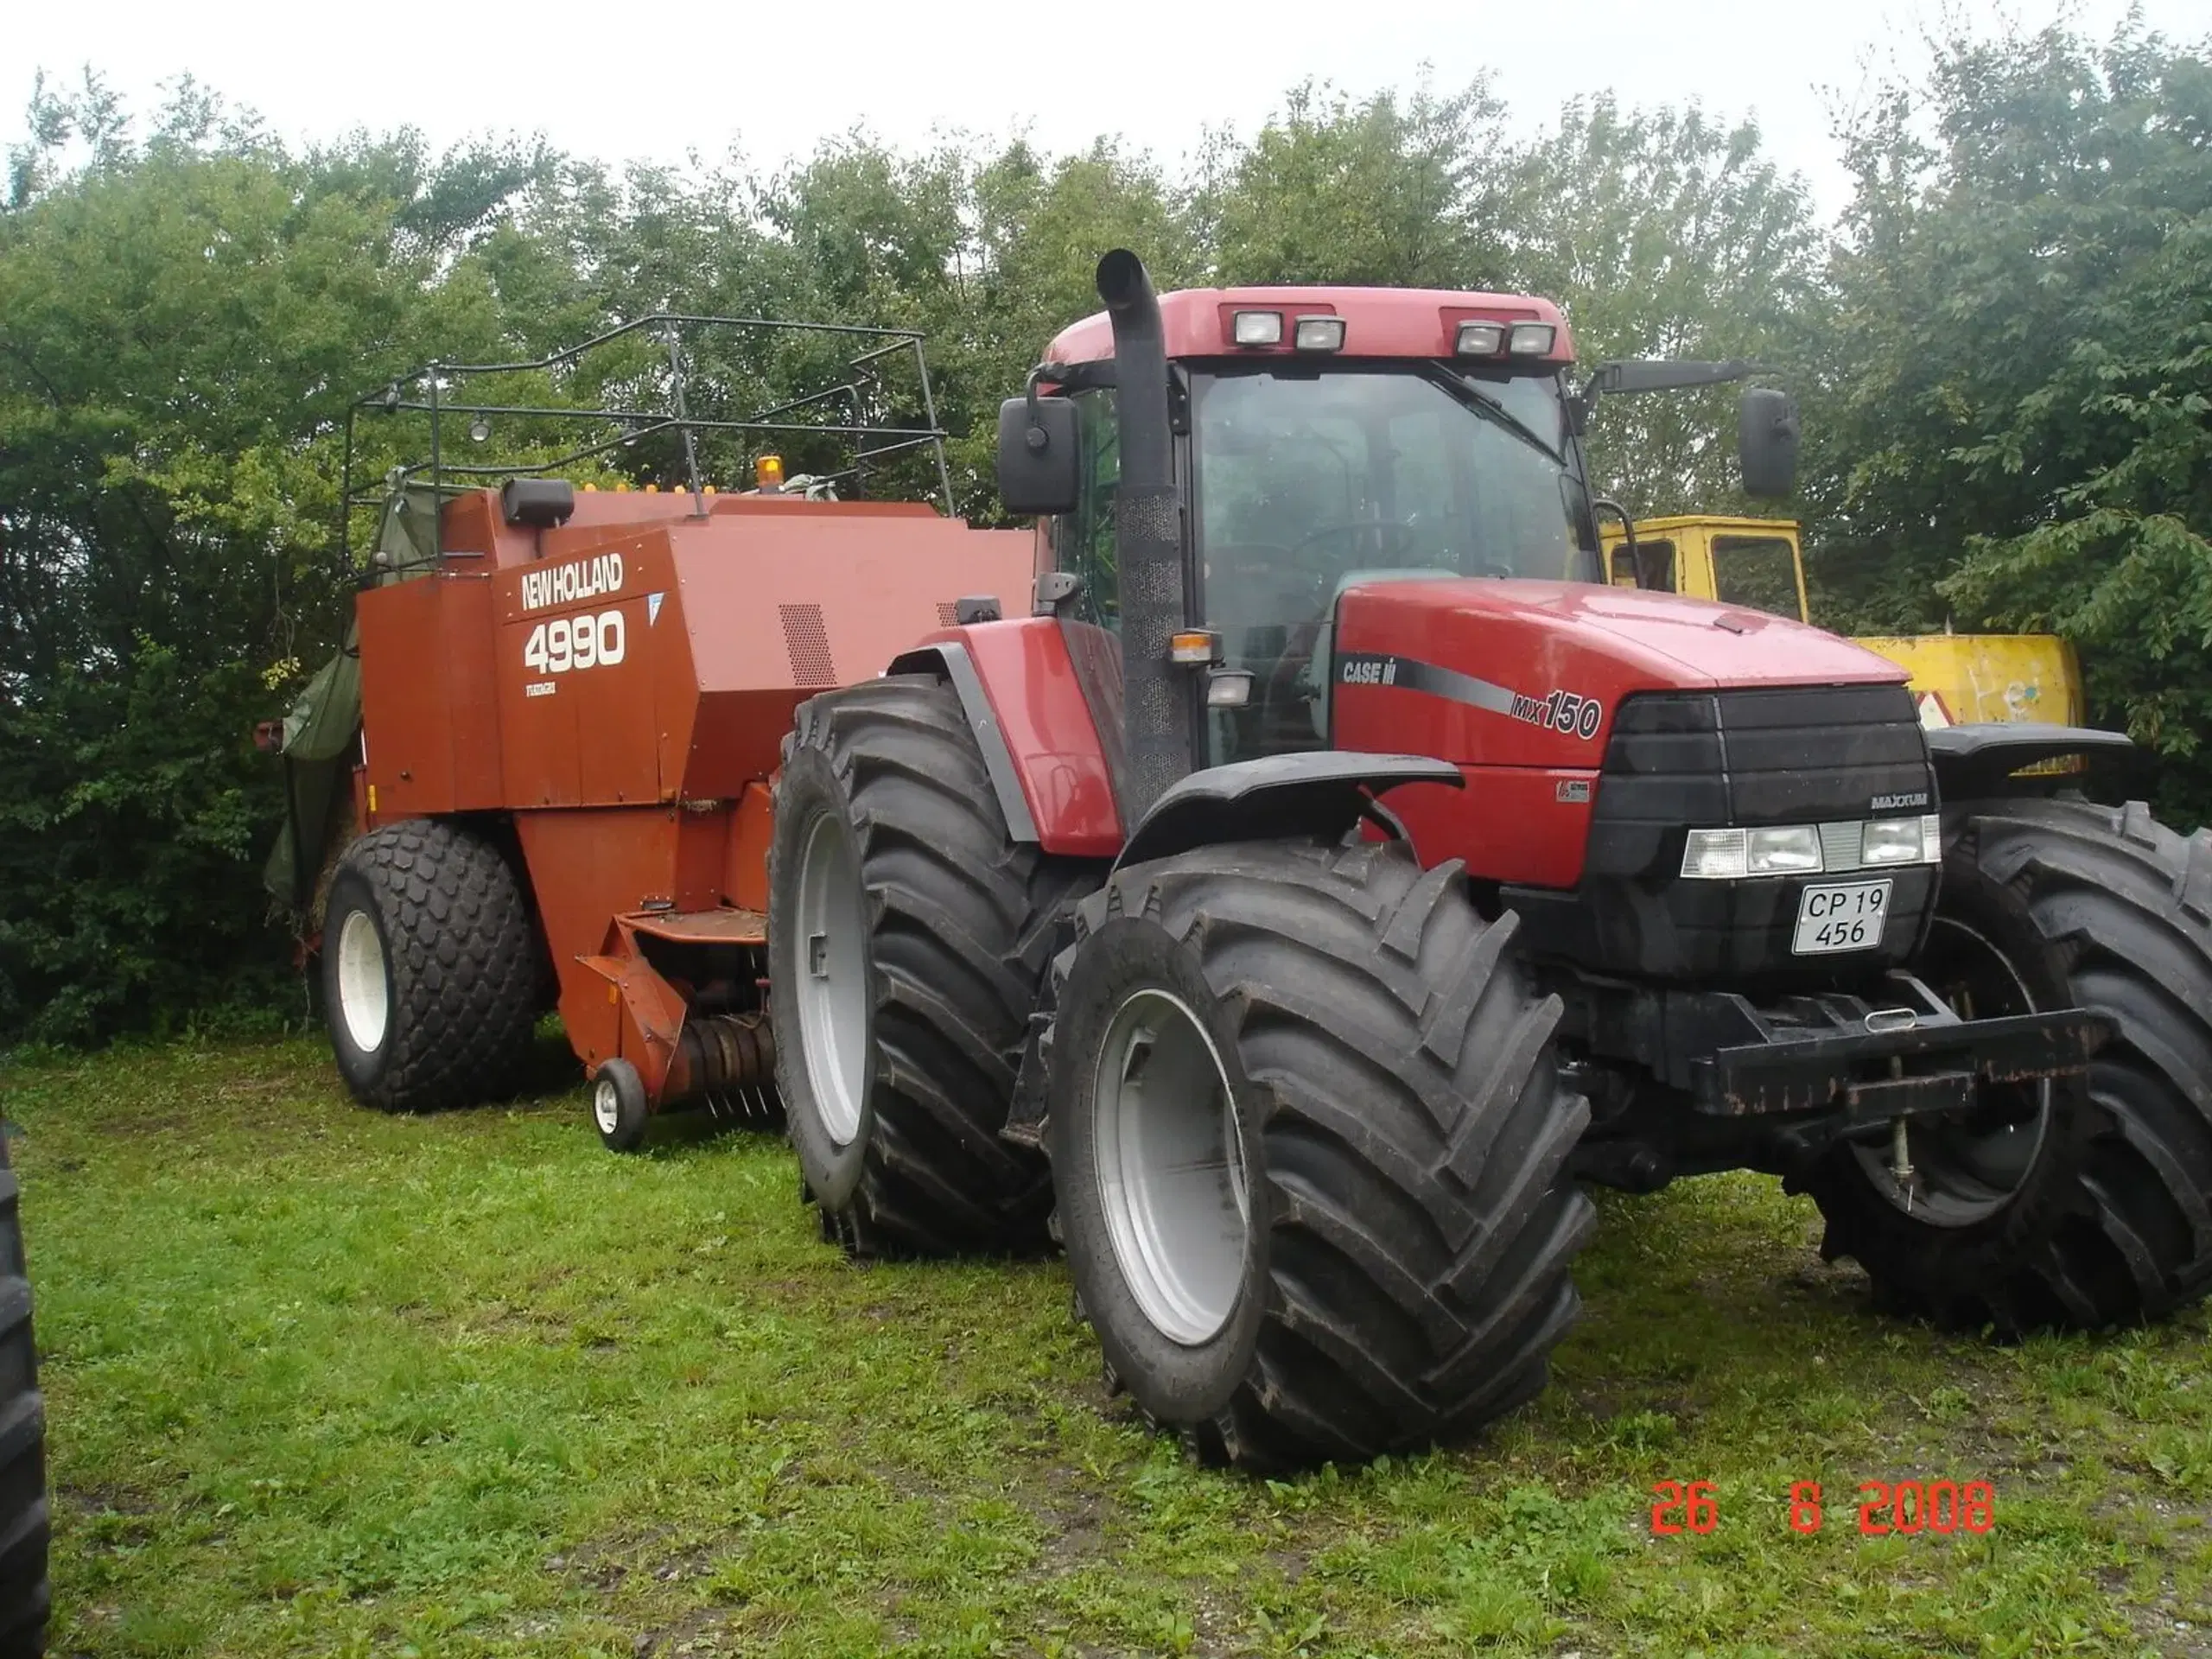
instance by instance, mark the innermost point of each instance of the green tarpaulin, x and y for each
(322, 731)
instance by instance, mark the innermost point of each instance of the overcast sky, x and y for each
(676, 77)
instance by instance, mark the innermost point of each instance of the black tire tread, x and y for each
(1417, 1133)
(25, 1525)
(971, 913)
(464, 965)
(2123, 905)
(2128, 904)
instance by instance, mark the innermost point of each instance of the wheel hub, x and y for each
(830, 976)
(605, 1105)
(1171, 1169)
(364, 997)
(1959, 1168)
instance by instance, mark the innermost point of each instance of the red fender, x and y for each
(1049, 758)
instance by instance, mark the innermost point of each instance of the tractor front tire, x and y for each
(25, 1530)
(909, 938)
(2102, 908)
(1310, 1144)
(430, 969)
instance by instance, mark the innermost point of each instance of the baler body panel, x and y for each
(428, 701)
(620, 687)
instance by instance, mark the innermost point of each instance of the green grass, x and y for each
(324, 1382)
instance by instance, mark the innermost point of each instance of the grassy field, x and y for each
(323, 1382)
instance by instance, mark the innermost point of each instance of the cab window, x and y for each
(1757, 572)
(1658, 555)
(1083, 541)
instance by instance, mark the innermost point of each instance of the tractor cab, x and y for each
(1320, 440)
(1310, 473)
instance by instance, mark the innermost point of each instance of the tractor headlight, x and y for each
(1903, 840)
(1257, 328)
(1716, 855)
(1812, 848)
(1794, 850)
(1479, 339)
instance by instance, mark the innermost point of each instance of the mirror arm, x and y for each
(1034, 438)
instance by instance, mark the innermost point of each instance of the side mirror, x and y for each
(1766, 443)
(1037, 455)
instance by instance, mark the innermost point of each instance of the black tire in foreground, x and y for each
(24, 1529)
(1309, 1141)
(909, 936)
(2103, 1205)
(430, 971)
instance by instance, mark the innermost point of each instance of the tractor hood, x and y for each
(1662, 640)
(1531, 673)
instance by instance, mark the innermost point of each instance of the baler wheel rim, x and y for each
(605, 1105)
(830, 975)
(1170, 1165)
(364, 984)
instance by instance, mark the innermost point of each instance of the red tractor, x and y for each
(1330, 874)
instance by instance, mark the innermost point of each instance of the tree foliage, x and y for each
(2002, 349)
(2015, 432)
(1664, 235)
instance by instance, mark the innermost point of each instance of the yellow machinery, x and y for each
(1958, 678)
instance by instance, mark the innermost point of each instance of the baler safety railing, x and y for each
(872, 442)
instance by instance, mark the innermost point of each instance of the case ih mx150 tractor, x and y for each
(1328, 876)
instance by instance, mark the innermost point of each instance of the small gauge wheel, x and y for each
(618, 1108)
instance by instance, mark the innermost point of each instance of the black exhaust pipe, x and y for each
(1158, 699)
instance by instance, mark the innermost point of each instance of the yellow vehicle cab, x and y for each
(1758, 565)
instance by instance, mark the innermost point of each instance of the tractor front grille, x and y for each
(1830, 756)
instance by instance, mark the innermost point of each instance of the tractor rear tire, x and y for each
(909, 938)
(430, 969)
(2106, 909)
(1310, 1144)
(25, 1530)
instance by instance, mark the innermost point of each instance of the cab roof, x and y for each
(1378, 323)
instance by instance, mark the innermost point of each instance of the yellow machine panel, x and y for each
(1958, 678)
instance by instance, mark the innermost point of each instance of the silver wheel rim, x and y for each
(1964, 1173)
(364, 998)
(1171, 1166)
(828, 975)
(605, 1105)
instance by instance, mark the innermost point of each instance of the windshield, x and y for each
(1308, 481)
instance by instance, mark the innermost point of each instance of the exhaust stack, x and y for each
(1158, 699)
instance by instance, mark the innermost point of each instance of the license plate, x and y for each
(1841, 916)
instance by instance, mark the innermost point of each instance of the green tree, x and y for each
(2017, 432)
(1663, 234)
(1383, 190)
(183, 320)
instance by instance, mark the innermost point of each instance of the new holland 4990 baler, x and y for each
(1316, 878)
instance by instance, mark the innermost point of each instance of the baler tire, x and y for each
(620, 1110)
(25, 1528)
(958, 922)
(438, 912)
(1397, 1226)
(2106, 909)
